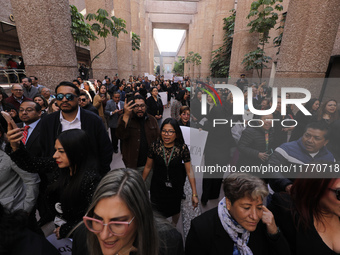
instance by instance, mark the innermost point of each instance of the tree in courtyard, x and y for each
(101, 28)
(220, 61)
(179, 66)
(195, 59)
(264, 17)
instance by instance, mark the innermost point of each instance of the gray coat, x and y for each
(112, 121)
(30, 94)
(18, 188)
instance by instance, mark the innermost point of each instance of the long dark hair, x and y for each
(306, 195)
(180, 96)
(322, 111)
(310, 103)
(179, 136)
(79, 151)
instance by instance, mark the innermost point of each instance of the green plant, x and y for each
(195, 59)
(264, 17)
(277, 40)
(80, 30)
(220, 61)
(179, 66)
(256, 60)
(135, 42)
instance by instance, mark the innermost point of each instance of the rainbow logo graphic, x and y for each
(209, 93)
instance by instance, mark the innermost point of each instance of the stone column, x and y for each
(308, 39)
(106, 63)
(223, 8)
(144, 40)
(207, 38)
(135, 27)
(151, 49)
(186, 69)
(200, 33)
(124, 45)
(45, 38)
(243, 42)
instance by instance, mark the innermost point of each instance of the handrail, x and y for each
(7, 72)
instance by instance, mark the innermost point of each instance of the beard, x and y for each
(69, 110)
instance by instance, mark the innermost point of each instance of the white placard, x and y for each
(195, 139)
(164, 97)
(64, 246)
(146, 74)
(152, 77)
(168, 76)
(178, 78)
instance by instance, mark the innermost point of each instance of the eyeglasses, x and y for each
(68, 96)
(82, 99)
(17, 90)
(168, 132)
(337, 193)
(139, 106)
(28, 110)
(117, 228)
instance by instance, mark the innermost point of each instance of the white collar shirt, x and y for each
(74, 124)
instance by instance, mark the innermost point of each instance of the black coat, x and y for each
(208, 237)
(91, 123)
(252, 142)
(154, 108)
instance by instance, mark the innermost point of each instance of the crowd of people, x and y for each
(57, 160)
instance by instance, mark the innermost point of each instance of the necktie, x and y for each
(25, 134)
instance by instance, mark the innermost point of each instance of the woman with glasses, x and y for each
(74, 176)
(310, 219)
(120, 220)
(166, 157)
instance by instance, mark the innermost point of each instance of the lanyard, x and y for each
(266, 135)
(167, 162)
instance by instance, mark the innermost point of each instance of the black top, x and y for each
(72, 215)
(176, 169)
(301, 241)
(154, 108)
(208, 237)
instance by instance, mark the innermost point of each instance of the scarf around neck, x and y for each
(234, 229)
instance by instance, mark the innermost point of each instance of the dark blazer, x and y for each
(33, 142)
(112, 120)
(91, 108)
(15, 103)
(207, 236)
(154, 106)
(91, 123)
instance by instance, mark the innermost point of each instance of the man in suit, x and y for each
(17, 96)
(114, 108)
(71, 116)
(29, 114)
(29, 90)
